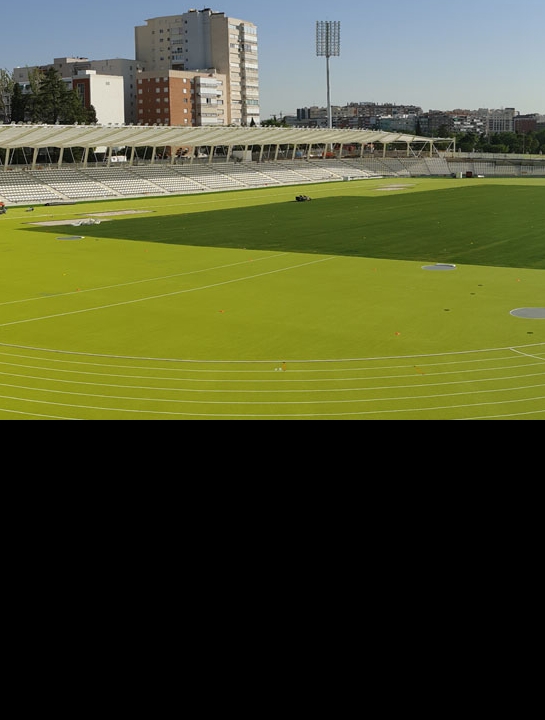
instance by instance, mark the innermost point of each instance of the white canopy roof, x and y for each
(91, 136)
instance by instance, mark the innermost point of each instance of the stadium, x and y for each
(161, 160)
(169, 273)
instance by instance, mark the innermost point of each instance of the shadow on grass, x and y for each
(498, 226)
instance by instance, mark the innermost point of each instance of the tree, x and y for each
(540, 138)
(443, 131)
(35, 77)
(508, 139)
(50, 98)
(91, 115)
(74, 112)
(51, 101)
(18, 104)
(466, 142)
(6, 91)
(274, 122)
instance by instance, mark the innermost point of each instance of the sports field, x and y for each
(383, 299)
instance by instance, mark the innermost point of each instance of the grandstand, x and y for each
(273, 159)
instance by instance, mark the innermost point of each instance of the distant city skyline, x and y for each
(475, 54)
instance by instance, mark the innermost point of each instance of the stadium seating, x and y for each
(26, 186)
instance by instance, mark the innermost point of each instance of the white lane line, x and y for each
(164, 295)
(139, 282)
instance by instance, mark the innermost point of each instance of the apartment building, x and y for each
(362, 116)
(207, 42)
(177, 97)
(497, 121)
(527, 123)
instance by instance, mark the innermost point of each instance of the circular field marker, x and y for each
(531, 313)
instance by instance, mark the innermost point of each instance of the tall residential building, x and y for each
(207, 41)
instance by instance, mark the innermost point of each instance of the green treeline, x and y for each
(46, 100)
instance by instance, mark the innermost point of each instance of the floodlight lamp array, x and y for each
(328, 38)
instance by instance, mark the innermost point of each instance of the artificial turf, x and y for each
(254, 277)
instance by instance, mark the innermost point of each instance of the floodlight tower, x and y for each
(328, 43)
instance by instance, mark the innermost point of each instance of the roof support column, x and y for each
(35, 157)
(61, 155)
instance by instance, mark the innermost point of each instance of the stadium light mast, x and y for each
(328, 43)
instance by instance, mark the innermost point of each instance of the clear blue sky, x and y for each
(438, 55)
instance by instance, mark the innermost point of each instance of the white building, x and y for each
(129, 70)
(497, 121)
(104, 93)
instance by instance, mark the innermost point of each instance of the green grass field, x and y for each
(249, 305)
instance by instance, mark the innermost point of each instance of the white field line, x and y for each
(164, 295)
